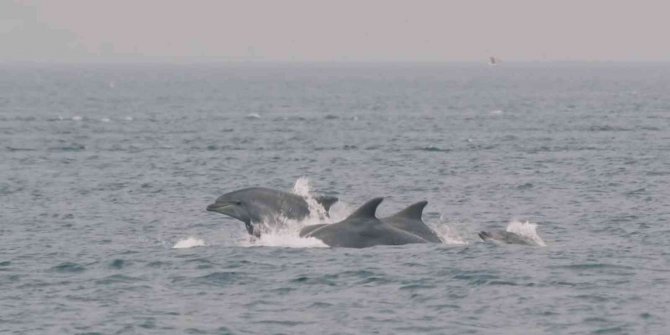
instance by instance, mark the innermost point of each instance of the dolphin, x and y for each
(501, 236)
(257, 205)
(409, 220)
(361, 229)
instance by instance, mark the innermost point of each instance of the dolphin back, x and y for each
(409, 220)
(361, 229)
(413, 211)
(308, 230)
(367, 211)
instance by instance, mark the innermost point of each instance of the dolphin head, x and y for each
(235, 206)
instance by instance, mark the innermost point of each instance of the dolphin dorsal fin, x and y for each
(414, 211)
(367, 211)
(326, 201)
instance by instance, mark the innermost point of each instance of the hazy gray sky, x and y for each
(355, 30)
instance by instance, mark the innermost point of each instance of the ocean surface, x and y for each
(106, 170)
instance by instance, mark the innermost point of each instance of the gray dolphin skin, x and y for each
(308, 229)
(409, 220)
(501, 236)
(257, 205)
(361, 229)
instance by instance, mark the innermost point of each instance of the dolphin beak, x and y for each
(230, 209)
(236, 212)
(223, 208)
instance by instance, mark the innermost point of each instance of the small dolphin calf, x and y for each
(501, 236)
(263, 205)
(360, 230)
(409, 220)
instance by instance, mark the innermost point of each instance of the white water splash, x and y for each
(287, 233)
(288, 238)
(527, 230)
(448, 234)
(317, 213)
(189, 242)
(338, 211)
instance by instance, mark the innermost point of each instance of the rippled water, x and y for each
(106, 168)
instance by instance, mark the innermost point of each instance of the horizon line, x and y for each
(239, 60)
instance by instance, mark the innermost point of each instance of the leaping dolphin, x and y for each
(361, 229)
(257, 205)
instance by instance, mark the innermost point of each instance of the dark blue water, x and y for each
(104, 168)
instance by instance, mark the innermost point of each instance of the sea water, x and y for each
(106, 171)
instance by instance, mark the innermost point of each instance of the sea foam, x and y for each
(189, 242)
(527, 230)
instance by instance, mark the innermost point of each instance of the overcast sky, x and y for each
(353, 30)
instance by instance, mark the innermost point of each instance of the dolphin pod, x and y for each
(255, 206)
